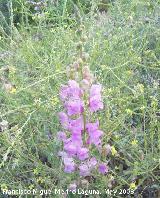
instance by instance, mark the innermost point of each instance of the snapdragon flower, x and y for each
(74, 106)
(76, 125)
(95, 100)
(64, 120)
(83, 153)
(94, 133)
(92, 162)
(84, 170)
(72, 90)
(103, 168)
(62, 135)
(69, 165)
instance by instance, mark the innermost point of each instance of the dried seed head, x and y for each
(109, 185)
(107, 148)
(84, 183)
(87, 74)
(80, 61)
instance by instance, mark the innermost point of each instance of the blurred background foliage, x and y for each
(54, 11)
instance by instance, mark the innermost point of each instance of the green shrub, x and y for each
(124, 53)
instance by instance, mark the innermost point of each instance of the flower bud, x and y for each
(79, 31)
(87, 74)
(79, 45)
(85, 56)
(76, 76)
(86, 69)
(72, 74)
(85, 84)
(79, 61)
(68, 70)
(84, 38)
(76, 65)
(111, 181)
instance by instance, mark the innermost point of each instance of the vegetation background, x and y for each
(36, 45)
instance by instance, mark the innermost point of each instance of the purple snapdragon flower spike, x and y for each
(95, 100)
(83, 153)
(74, 107)
(84, 170)
(69, 165)
(78, 130)
(103, 168)
(64, 120)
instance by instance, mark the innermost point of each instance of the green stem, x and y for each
(84, 99)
